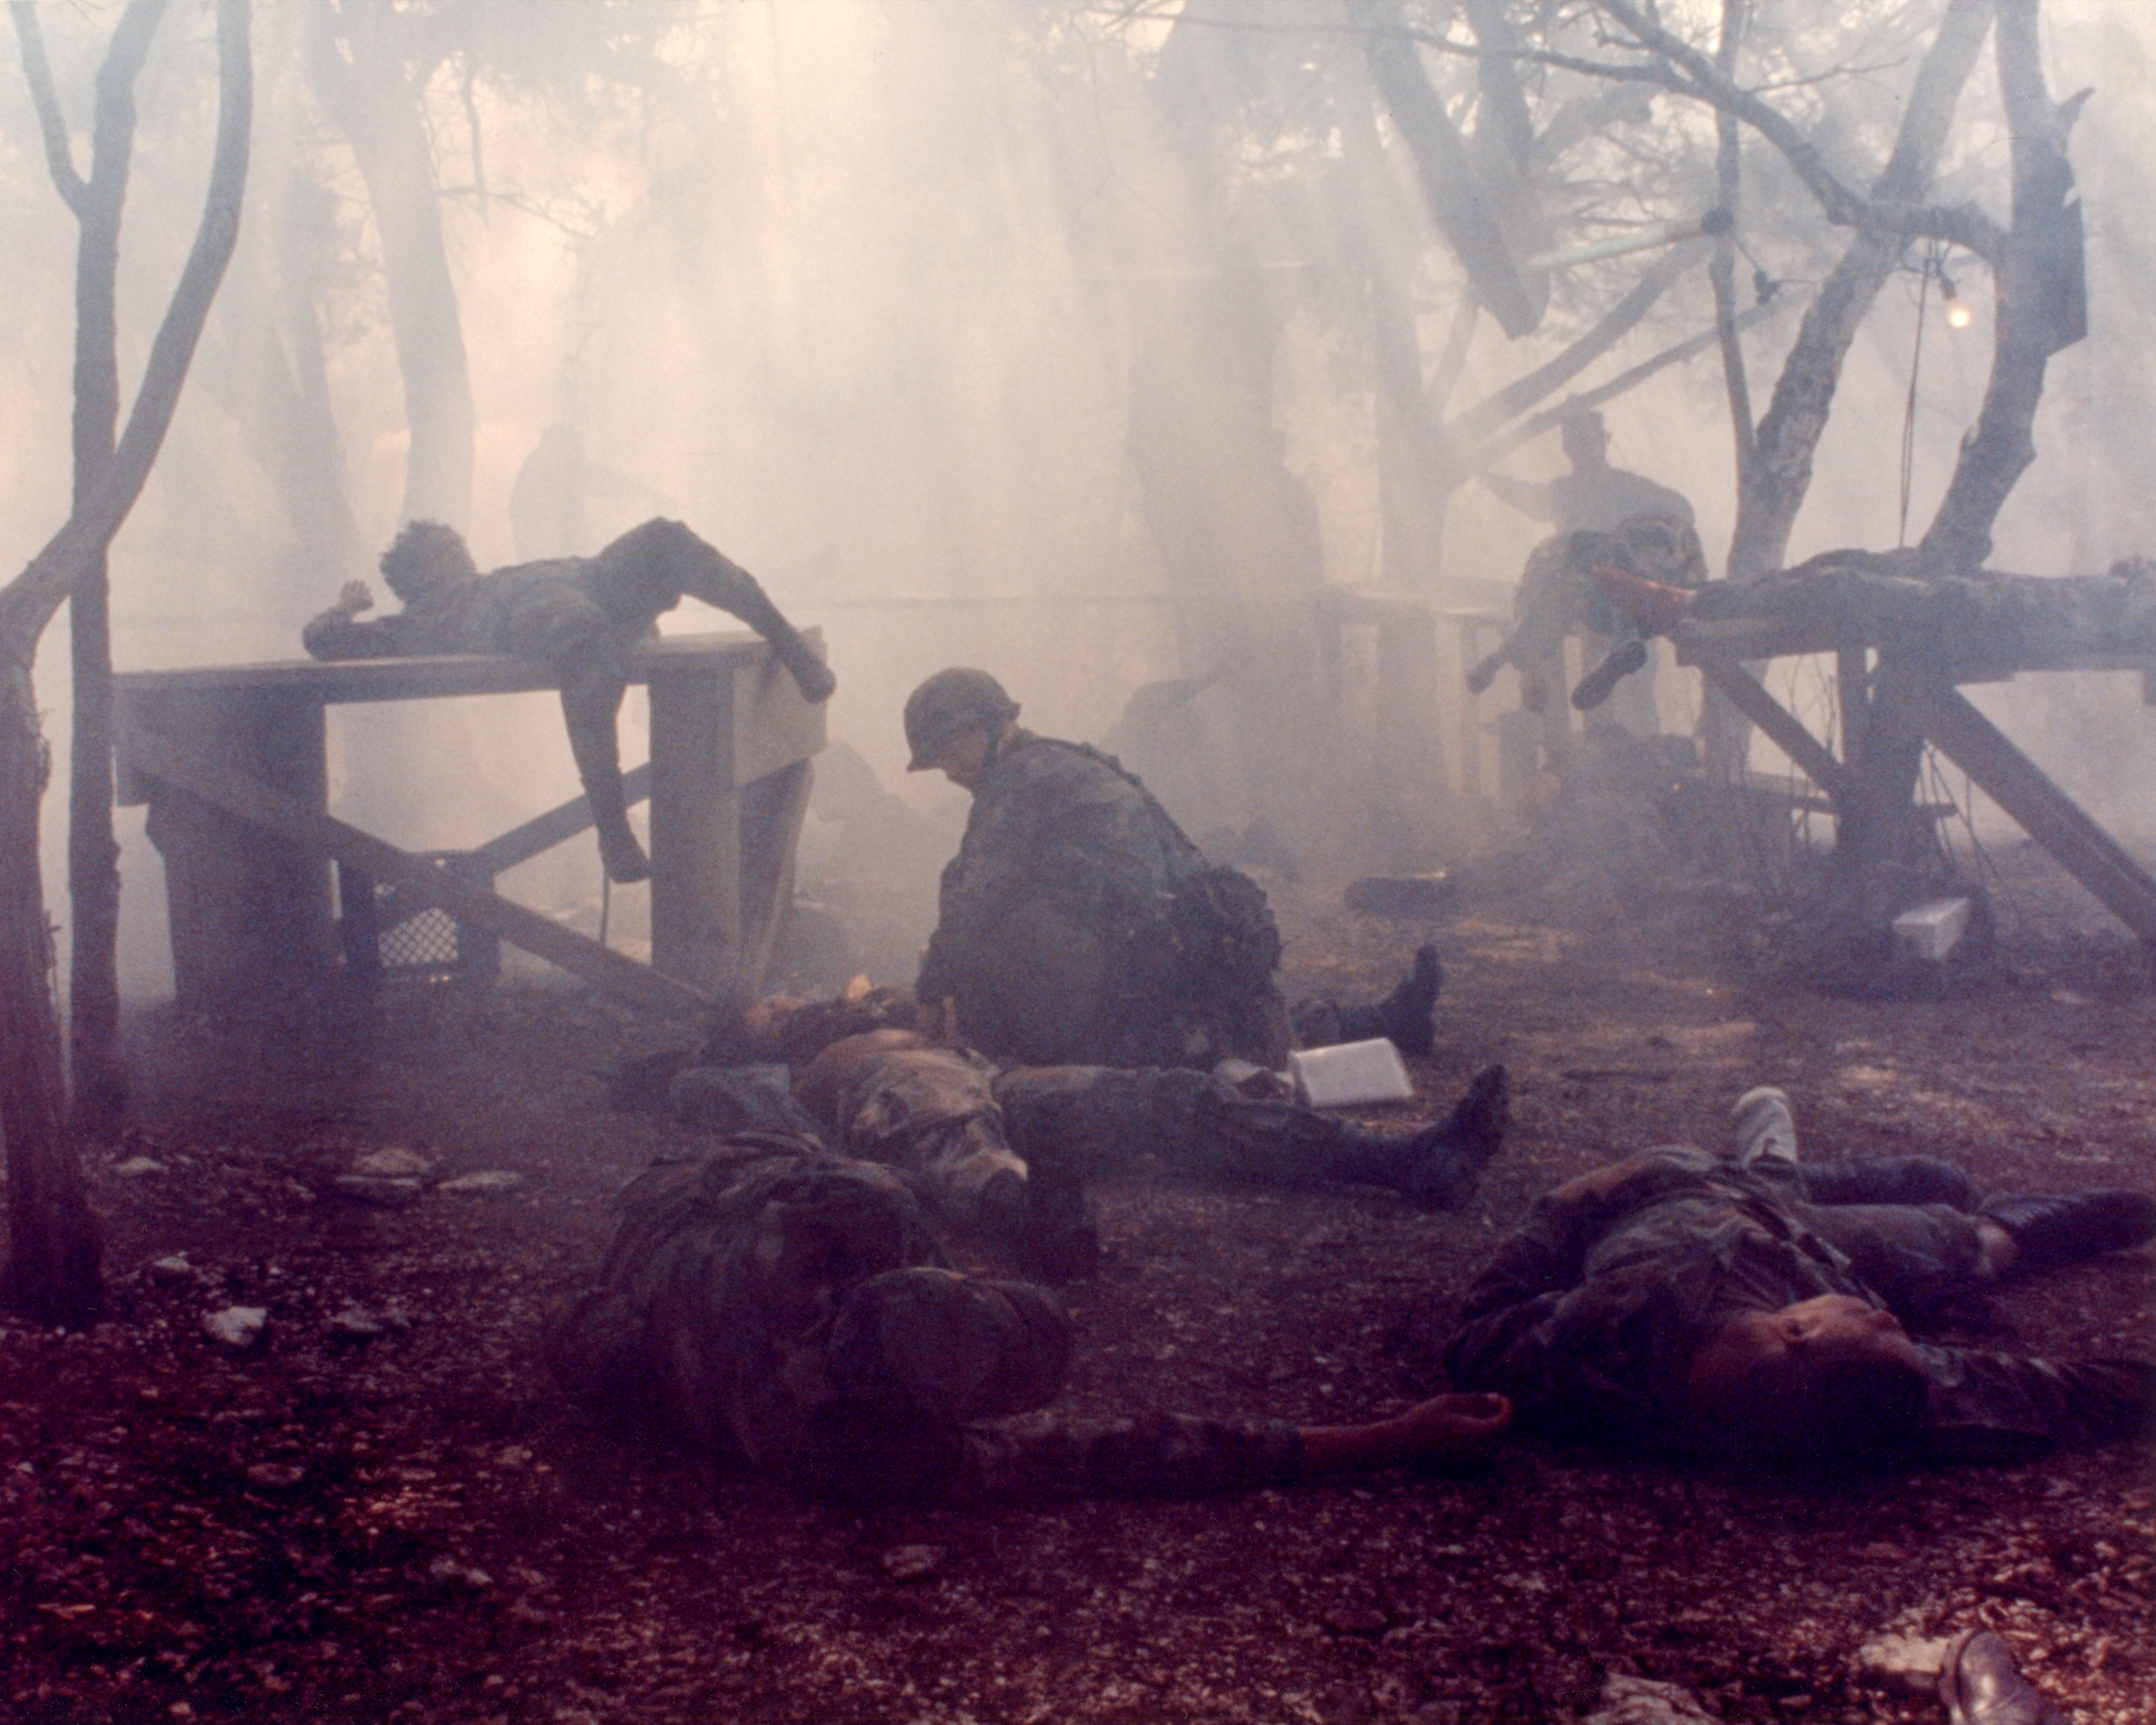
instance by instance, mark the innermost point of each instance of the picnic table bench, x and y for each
(232, 762)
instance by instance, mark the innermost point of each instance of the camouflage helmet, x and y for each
(948, 703)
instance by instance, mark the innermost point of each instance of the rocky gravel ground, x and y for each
(380, 1509)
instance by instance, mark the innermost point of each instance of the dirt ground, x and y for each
(382, 1509)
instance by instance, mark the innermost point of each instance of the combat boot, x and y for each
(2071, 1227)
(1403, 1016)
(1440, 1166)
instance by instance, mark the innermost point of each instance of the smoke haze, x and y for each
(990, 331)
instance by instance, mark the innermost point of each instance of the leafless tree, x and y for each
(97, 200)
(52, 1271)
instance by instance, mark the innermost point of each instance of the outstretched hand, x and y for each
(1455, 1427)
(1445, 1428)
(355, 596)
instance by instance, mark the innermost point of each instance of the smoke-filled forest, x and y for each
(1262, 390)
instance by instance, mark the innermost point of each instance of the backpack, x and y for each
(1214, 940)
(1226, 943)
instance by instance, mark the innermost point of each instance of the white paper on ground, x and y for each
(1349, 1074)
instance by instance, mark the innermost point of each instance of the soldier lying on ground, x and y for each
(580, 615)
(1010, 1150)
(1753, 1309)
(778, 1030)
(775, 1303)
(1077, 923)
(1003, 1155)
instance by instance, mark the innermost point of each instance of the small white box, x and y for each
(1932, 930)
(1349, 1074)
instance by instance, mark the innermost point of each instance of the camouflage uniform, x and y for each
(888, 1099)
(582, 616)
(1063, 933)
(961, 1125)
(776, 1304)
(1591, 1315)
(1561, 593)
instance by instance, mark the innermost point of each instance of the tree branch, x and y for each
(1453, 188)
(1789, 430)
(37, 73)
(1529, 429)
(2039, 308)
(1704, 83)
(1722, 272)
(29, 602)
(1515, 397)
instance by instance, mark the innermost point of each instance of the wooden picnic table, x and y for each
(232, 762)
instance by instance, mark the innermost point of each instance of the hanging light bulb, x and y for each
(1958, 316)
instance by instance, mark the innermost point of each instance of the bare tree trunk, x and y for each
(1459, 194)
(1416, 474)
(375, 100)
(93, 852)
(273, 379)
(1729, 193)
(54, 1242)
(2038, 301)
(51, 1271)
(1774, 490)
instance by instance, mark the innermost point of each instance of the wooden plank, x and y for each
(612, 973)
(1852, 684)
(695, 830)
(1728, 638)
(774, 727)
(2018, 786)
(1971, 661)
(772, 811)
(1749, 696)
(242, 904)
(543, 832)
(1410, 766)
(423, 678)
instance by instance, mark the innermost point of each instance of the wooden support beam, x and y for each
(1749, 696)
(159, 756)
(2015, 783)
(543, 832)
(774, 808)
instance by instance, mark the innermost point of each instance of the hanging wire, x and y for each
(1987, 870)
(1931, 268)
